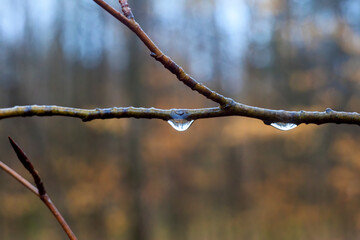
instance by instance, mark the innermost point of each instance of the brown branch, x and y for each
(268, 116)
(40, 190)
(166, 61)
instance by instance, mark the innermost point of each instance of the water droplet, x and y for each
(329, 110)
(180, 124)
(284, 126)
(179, 112)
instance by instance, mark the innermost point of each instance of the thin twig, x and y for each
(266, 115)
(166, 61)
(40, 190)
(28, 165)
(19, 178)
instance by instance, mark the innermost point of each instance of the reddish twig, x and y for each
(20, 179)
(28, 165)
(40, 190)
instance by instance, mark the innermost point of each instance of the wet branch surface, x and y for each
(39, 190)
(268, 116)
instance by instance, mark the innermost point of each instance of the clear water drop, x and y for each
(284, 126)
(329, 110)
(179, 112)
(180, 124)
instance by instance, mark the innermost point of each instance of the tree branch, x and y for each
(268, 116)
(19, 178)
(28, 165)
(229, 107)
(166, 61)
(40, 190)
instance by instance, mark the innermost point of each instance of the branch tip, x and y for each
(126, 9)
(21, 155)
(29, 166)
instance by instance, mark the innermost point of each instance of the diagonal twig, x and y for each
(19, 178)
(28, 165)
(166, 61)
(40, 190)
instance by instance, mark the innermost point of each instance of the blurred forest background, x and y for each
(225, 178)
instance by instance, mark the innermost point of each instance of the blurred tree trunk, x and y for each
(136, 172)
(216, 51)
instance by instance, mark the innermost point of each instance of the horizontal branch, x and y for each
(268, 116)
(229, 107)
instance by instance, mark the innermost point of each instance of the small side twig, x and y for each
(126, 9)
(28, 165)
(39, 190)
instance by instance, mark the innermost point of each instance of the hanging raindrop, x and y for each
(180, 124)
(284, 126)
